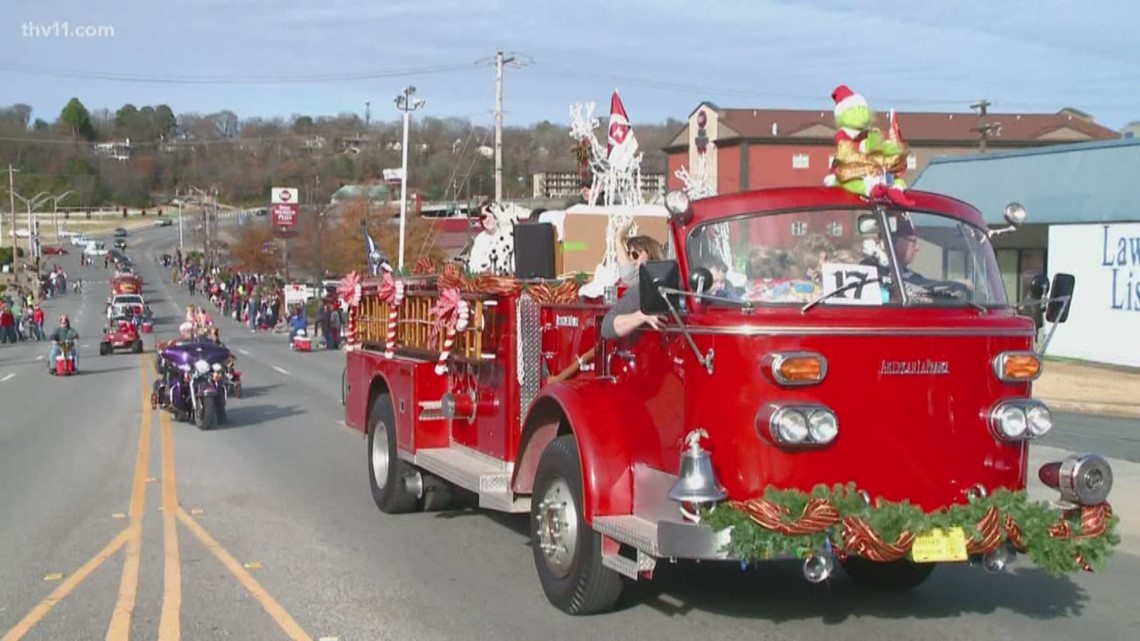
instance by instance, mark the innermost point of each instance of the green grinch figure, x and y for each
(867, 162)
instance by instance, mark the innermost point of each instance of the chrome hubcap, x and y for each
(380, 455)
(557, 527)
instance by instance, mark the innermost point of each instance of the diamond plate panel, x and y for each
(529, 352)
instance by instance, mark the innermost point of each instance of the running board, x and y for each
(636, 532)
(491, 481)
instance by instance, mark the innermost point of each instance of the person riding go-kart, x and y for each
(123, 332)
(63, 340)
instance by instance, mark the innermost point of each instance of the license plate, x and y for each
(940, 546)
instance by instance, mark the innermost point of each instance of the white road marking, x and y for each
(85, 345)
(7, 377)
(285, 372)
(243, 352)
(40, 357)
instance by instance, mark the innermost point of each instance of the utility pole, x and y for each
(500, 61)
(11, 211)
(985, 128)
(406, 104)
(367, 114)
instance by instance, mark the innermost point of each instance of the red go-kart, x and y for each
(122, 334)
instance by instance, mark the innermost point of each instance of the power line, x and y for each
(290, 79)
(708, 90)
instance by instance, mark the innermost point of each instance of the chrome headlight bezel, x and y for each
(795, 426)
(202, 366)
(1013, 421)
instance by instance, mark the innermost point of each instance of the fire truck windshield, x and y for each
(846, 257)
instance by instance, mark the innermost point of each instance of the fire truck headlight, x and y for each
(823, 427)
(789, 426)
(1009, 422)
(1039, 419)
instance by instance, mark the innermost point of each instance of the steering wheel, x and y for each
(951, 288)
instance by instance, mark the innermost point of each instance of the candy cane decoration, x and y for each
(457, 324)
(393, 314)
(350, 292)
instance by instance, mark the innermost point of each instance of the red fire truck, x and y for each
(833, 379)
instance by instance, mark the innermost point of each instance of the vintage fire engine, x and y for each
(860, 396)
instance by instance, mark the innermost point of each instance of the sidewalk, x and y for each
(1072, 386)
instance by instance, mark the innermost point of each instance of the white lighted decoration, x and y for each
(619, 183)
(698, 184)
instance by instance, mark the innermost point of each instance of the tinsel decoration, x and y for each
(795, 523)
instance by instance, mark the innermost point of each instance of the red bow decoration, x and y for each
(387, 289)
(444, 310)
(347, 290)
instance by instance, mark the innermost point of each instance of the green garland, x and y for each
(751, 542)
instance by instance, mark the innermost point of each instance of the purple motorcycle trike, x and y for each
(192, 383)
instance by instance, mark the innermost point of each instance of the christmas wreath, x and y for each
(840, 519)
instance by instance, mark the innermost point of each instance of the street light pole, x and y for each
(406, 104)
(180, 245)
(54, 211)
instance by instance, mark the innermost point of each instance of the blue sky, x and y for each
(665, 56)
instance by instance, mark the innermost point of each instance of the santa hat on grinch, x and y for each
(845, 99)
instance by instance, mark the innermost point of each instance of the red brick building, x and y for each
(758, 148)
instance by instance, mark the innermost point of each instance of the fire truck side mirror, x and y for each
(653, 275)
(1038, 287)
(700, 280)
(1060, 298)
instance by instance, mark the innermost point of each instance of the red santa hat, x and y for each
(845, 99)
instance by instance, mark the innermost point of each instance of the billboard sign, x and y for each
(284, 207)
(1105, 259)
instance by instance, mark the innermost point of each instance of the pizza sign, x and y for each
(284, 207)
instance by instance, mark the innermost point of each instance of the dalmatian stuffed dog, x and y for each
(493, 251)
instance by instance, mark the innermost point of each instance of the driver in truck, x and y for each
(906, 250)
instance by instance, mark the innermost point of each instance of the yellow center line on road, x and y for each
(169, 627)
(120, 626)
(287, 624)
(59, 594)
(127, 536)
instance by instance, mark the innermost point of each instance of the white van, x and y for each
(95, 248)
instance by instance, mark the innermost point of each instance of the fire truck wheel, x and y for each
(386, 471)
(896, 576)
(567, 552)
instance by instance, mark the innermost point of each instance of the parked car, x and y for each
(163, 223)
(95, 248)
(49, 250)
(120, 232)
(120, 243)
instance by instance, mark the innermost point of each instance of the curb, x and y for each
(1120, 410)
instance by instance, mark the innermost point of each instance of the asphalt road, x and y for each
(268, 530)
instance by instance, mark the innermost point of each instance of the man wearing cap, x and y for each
(906, 250)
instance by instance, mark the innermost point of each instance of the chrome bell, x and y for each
(696, 482)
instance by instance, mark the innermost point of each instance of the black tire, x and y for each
(896, 576)
(205, 417)
(104, 349)
(391, 492)
(137, 346)
(582, 585)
